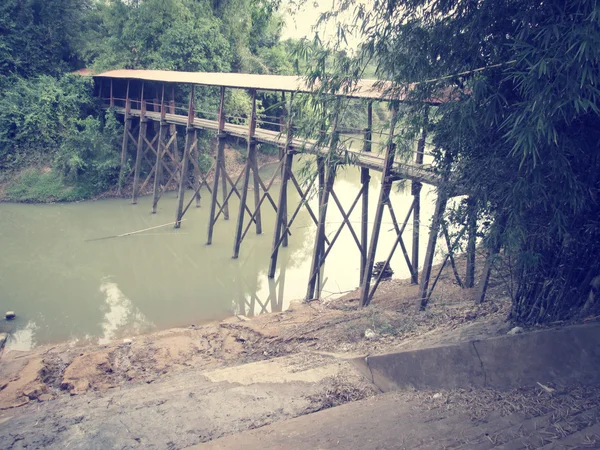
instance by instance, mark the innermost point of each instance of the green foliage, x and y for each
(44, 185)
(51, 122)
(522, 135)
(88, 153)
(36, 113)
(40, 36)
(49, 119)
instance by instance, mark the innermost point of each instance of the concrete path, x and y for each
(391, 421)
(182, 409)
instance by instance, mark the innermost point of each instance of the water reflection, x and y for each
(23, 339)
(122, 317)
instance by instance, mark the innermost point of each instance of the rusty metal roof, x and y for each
(367, 89)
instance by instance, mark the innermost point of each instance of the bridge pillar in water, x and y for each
(189, 142)
(384, 193)
(126, 132)
(139, 148)
(416, 192)
(365, 179)
(251, 166)
(219, 169)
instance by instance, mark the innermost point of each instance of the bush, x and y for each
(43, 185)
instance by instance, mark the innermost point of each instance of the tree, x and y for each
(522, 131)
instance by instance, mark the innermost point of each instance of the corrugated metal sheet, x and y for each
(365, 88)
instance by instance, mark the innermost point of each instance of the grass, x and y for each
(34, 185)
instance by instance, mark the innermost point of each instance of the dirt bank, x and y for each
(222, 378)
(327, 327)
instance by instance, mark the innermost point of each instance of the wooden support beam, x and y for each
(178, 162)
(126, 132)
(471, 242)
(440, 206)
(189, 140)
(365, 178)
(140, 148)
(280, 221)
(220, 156)
(288, 145)
(325, 191)
(450, 254)
(159, 153)
(345, 221)
(319, 246)
(384, 193)
(416, 192)
(112, 98)
(197, 174)
(391, 254)
(250, 166)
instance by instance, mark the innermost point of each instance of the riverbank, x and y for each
(184, 386)
(338, 326)
(41, 184)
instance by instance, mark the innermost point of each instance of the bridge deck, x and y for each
(368, 160)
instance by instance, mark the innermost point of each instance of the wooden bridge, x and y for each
(128, 93)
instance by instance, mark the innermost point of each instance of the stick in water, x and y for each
(131, 232)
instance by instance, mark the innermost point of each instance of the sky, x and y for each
(300, 21)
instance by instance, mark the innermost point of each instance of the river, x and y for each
(64, 287)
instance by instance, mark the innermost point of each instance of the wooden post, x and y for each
(140, 148)
(280, 221)
(112, 98)
(189, 138)
(254, 163)
(471, 242)
(365, 178)
(222, 165)
(319, 247)
(384, 193)
(159, 152)
(220, 156)
(172, 132)
(416, 192)
(197, 174)
(126, 131)
(286, 121)
(440, 206)
(250, 165)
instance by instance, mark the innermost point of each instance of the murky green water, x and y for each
(64, 288)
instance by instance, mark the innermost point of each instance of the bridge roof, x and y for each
(367, 89)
